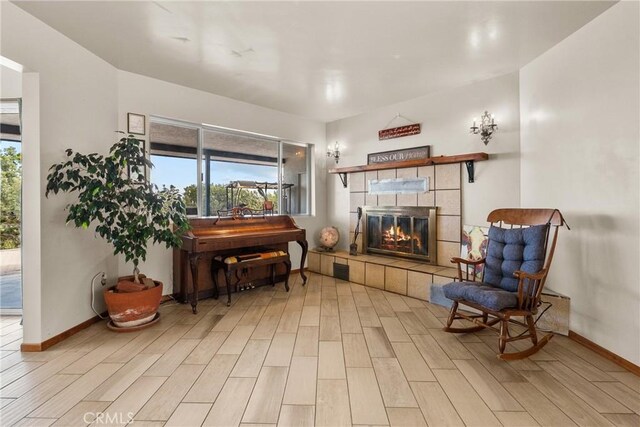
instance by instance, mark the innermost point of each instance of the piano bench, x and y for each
(233, 264)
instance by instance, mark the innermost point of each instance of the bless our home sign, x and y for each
(414, 153)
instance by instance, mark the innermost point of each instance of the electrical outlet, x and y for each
(103, 279)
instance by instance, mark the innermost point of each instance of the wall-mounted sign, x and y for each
(414, 153)
(398, 132)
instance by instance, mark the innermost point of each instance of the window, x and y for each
(240, 170)
(236, 168)
(174, 154)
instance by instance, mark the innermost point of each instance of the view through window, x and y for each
(240, 170)
(174, 154)
(236, 169)
(10, 206)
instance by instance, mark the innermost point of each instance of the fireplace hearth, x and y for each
(408, 232)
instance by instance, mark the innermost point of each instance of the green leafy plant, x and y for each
(10, 194)
(114, 195)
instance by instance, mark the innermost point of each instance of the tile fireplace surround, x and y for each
(406, 277)
(444, 192)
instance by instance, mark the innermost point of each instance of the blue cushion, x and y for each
(485, 295)
(514, 249)
(456, 290)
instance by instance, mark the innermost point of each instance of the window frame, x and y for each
(308, 164)
(205, 127)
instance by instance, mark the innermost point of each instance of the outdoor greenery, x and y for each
(10, 180)
(113, 193)
(250, 198)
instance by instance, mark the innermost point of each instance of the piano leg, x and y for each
(214, 276)
(287, 265)
(272, 273)
(193, 262)
(228, 274)
(305, 247)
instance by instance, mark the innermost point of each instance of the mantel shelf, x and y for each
(440, 160)
(467, 159)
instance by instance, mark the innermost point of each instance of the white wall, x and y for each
(446, 117)
(140, 94)
(77, 108)
(580, 138)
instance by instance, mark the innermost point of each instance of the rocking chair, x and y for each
(515, 270)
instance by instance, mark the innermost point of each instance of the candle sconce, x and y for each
(486, 128)
(334, 152)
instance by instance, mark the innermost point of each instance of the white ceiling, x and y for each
(323, 60)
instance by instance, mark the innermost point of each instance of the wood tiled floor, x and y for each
(331, 353)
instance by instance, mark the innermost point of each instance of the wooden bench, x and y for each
(242, 263)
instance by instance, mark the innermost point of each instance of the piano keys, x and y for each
(210, 237)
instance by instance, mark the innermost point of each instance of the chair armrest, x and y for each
(528, 298)
(457, 260)
(519, 274)
(467, 262)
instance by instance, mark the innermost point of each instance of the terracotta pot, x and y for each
(132, 309)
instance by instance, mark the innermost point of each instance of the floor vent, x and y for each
(341, 271)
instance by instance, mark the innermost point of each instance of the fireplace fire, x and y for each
(400, 231)
(404, 240)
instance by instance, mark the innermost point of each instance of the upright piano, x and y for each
(212, 236)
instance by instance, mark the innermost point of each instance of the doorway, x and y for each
(10, 206)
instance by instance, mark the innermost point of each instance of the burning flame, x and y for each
(396, 234)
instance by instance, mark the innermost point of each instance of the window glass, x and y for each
(295, 179)
(10, 207)
(174, 152)
(242, 171)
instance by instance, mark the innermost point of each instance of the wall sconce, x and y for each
(486, 128)
(335, 152)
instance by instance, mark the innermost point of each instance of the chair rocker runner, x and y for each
(516, 265)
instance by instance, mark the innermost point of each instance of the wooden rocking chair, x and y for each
(515, 270)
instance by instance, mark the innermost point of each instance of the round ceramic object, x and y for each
(131, 309)
(329, 237)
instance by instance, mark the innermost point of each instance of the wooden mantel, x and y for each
(467, 159)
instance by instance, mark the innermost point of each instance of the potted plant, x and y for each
(114, 195)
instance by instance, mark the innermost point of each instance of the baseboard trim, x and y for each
(30, 348)
(34, 347)
(618, 360)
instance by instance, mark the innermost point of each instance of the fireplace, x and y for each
(408, 232)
